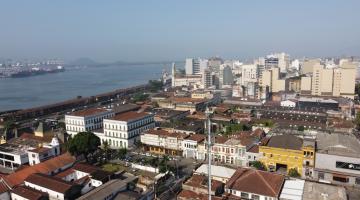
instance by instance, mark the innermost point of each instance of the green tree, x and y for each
(140, 97)
(84, 143)
(121, 153)
(294, 173)
(155, 85)
(258, 165)
(163, 166)
(301, 128)
(106, 149)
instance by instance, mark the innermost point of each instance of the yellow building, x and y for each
(285, 152)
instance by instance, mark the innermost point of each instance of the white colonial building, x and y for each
(45, 152)
(190, 145)
(86, 120)
(121, 131)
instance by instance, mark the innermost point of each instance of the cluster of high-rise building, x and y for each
(271, 74)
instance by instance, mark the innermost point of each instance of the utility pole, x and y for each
(208, 114)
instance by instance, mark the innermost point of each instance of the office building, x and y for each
(195, 66)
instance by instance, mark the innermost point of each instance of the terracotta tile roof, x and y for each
(44, 167)
(256, 182)
(186, 100)
(221, 139)
(130, 116)
(49, 182)
(29, 193)
(187, 194)
(85, 168)
(65, 173)
(83, 181)
(3, 186)
(197, 137)
(254, 149)
(285, 142)
(88, 112)
(164, 133)
(200, 181)
(190, 195)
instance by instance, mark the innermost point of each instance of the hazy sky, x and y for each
(152, 30)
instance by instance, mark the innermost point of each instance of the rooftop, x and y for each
(130, 116)
(45, 167)
(52, 183)
(218, 171)
(285, 142)
(28, 193)
(105, 189)
(88, 112)
(293, 189)
(164, 133)
(256, 182)
(322, 191)
(197, 137)
(22, 144)
(200, 181)
(338, 144)
(83, 167)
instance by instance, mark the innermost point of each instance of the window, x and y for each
(244, 195)
(357, 180)
(340, 179)
(255, 197)
(321, 175)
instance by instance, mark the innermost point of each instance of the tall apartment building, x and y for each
(228, 78)
(207, 78)
(121, 131)
(271, 62)
(195, 66)
(86, 120)
(308, 66)
(330, 82)
(271, 79)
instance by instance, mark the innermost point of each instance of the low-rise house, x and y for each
(224, 150)
(219, 173)
(190, 145)
(198, 184)
(27, 193)
(183, 104)
(337, 159)
(255, 184)
(168, 115)
(163, 142)
(45, 152)
(15, 152)
(55, 187)
(49, 167)
(111, 189)
(284, 152)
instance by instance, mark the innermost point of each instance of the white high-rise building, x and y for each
(283, 61)
(195, 66)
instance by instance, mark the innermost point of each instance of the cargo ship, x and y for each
(36, 71)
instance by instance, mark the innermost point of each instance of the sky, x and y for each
(154, 30)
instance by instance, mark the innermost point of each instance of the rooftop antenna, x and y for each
(208, 114)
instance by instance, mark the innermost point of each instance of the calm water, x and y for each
(50, 88)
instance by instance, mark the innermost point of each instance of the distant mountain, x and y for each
(84, 61)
